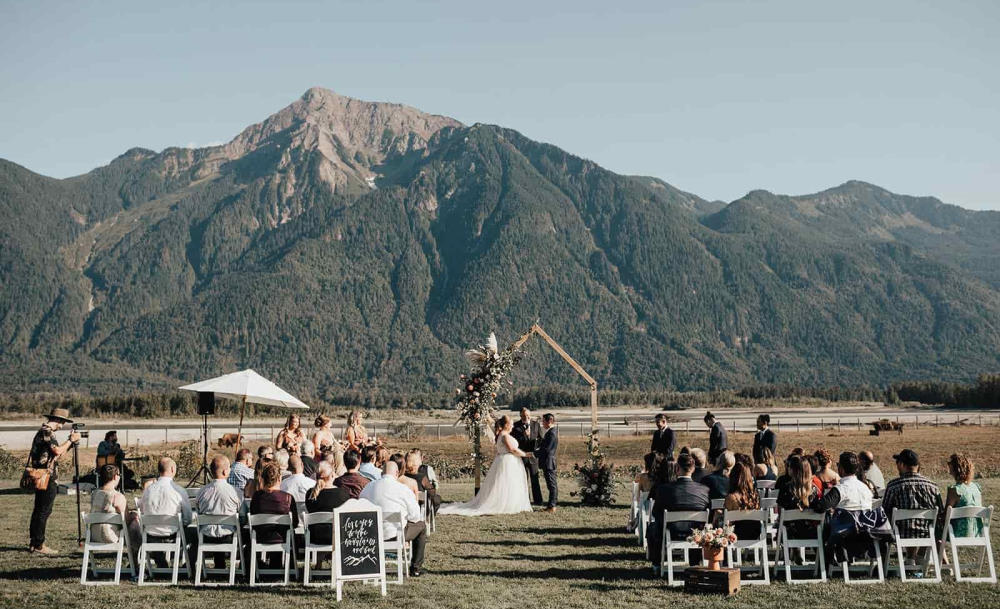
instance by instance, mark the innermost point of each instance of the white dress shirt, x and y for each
(165, 498)
(218, 498)
(393, 497)
(297, 485)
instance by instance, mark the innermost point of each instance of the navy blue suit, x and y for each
(546, 454)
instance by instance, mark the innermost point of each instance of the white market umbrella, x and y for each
(246, 386)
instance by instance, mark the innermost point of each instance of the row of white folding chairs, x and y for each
(876, 568)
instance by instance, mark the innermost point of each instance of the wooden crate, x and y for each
(703, 579)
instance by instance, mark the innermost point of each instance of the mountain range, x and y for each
(351, 245)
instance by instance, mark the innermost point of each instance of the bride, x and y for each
(505, 490)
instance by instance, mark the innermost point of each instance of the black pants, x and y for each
(553, 485)
(41, 512)
(218, 558)
(416, 532)
(536, 489)
(654, 538)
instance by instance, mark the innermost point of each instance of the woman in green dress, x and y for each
(964, 493)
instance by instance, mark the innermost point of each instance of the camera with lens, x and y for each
(79, 428)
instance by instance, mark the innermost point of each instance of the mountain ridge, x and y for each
(363, 245)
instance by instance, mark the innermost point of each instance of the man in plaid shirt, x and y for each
(911, 491)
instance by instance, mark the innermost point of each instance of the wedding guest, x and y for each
(291, 436)
(745, 459)
(418, 473)
(764, 438)
(164, 497)
(44, 454)
(766, 468)
(743, 496)
(265, 452)
(964, 493)
(281, 458)
(528, 432)
(797, 492)
(409, 483)
(324, 497)
(335, 457)
(645, 478)
(718, 481)
(368, 468)
(911, 491)
(219, 498)
(684, 494)
(824, 477)
(352, 481)
(717, 441)
(871, 470)
(107, 500)
(307, 450)
(355, 434)
(393, 497)
(242, 471)
(382, 457)
(297, 484)
(270, 499)
(849, 493)
(255, 484)
(110, 450)
(700, 462)
(664, 441)
(323, 439)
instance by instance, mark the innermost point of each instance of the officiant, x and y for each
(527, 432)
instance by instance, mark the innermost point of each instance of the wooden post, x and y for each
(478, 444)
(439, 431)
(859, 423)
(838, 424)
(239, 430)
(165, 435)
(687, 425)
(581, 430)
(797, 428)
(821, 424)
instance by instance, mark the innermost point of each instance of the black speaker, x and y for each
(206, 403)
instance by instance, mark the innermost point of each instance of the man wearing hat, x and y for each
(45, 451)
(911, 491)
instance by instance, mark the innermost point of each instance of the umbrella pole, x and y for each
(239, 430)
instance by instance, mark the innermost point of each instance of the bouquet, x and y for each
(717, 538)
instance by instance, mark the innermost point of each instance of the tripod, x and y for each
(76, 480)
(203, 470)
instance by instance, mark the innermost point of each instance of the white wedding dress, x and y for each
(505, 490)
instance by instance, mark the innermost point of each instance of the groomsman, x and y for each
(546, 453)
(765, 437)
(663, 438)
(717, 442)
(527, 432)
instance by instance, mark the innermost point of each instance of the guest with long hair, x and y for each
(766, 468)
(323, 439)
(355, 434)
(964, 493)
(824, 476)
(291, 435)
(796, 491)
(743, 496)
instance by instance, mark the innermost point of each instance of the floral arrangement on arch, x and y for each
(476, 398)
(597, 477)
(710, 538)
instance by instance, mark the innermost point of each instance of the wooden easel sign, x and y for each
(358, 543)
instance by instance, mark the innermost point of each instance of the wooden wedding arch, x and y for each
(537, 329)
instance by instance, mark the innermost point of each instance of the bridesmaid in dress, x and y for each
(323, 439)
(291, 436)
(355, 435)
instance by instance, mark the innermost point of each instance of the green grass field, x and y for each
(577, 557)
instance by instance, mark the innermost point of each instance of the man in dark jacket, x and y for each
(547, 460)
(527, 432)
(764, 438)
(663, 438)
(717, 441)
(683, 494)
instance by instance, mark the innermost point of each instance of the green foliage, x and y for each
(985, 393)
(10, 466)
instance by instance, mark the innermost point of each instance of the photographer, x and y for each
(45, 452)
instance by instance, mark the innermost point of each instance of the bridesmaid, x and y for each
(291, 436)
(355, 434)
(323, 439)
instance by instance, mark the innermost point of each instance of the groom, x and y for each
(546, 454)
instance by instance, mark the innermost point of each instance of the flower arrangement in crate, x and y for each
(713, 540)
(597, 477)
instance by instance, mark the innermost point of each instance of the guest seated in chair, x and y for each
(308, 463)
(353, 482)
(684, 494)
(219, 498)
(164, 497)
(718, 481)
(368, 468)
(297, 484)
(409, 483)
(270, 499)
(417, 471)
(797, 492)
(743, 496)
(390, 495)
(324, 497)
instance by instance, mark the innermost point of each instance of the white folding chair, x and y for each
(396, 549)
(929, 542)
(175, 550)
(645, 504)
(984, 515)
(632, 525)
(119, 548)
(287, 548)
(234, 548)
(718, 504)
(765, 488)
(875, 564)
(313, 549)
(785, 517)
(669, 546)
(757, 545)
(876, 504)
(425, 509)
(771, 505)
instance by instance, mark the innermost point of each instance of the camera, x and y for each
(79, 428)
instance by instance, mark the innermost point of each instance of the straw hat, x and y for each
(59, 414)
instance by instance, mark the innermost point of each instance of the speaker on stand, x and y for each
(206, 406)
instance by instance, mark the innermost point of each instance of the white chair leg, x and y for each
(118, 563)
(86, 565)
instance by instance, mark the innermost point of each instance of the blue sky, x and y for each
(718, 98)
